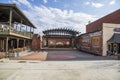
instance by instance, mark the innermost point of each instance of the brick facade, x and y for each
(57, 42)
(110, 18)
(36, 42)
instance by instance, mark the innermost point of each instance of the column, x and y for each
(30, 31)
(16, 25)
(3, 45)
(21, 25)
(33, 30)
(17, 46)
(7, 38)
(24, 46)
(26, 29)
(10, 18)
(46, 41)
(24, 42)
(71, 42)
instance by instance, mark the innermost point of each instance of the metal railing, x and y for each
(5, 28)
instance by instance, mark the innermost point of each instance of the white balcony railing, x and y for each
(4, 28)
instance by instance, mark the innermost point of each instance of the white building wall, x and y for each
(108, 31)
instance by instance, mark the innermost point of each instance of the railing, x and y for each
(4, 29)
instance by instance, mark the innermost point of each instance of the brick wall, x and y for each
(110, 18)
(36, 42)
(58, 42)
(91, 42)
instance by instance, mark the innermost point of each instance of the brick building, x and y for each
(102, 36)
(98, 24)
(36, 42)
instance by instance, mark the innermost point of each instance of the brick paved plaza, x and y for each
(61, 55)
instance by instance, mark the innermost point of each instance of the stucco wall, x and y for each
(108, 31)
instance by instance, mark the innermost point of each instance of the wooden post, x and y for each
(30, 31)
(46, 41)
(24, 42)
(3, 45)
(17, 46)
(33, 30)
(20, 25)
(26, 29)
(10, 19)
(7, 38)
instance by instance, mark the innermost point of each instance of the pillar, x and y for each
(10, 18)
(7, 38)
(30, 31)
(17, 46)
(46, 41)
(26, 29)
(3, 44)
(24, 42)
(33, 30)
(20, 25)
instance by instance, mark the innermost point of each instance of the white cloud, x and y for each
(25, 2)
(48, 17)
(45, 1)
(14, 1)
(112, 2)
(87, 3)
(96, 5)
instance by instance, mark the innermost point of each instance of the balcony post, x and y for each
(10, 19)
(30, 31)
(21, 25)
(26, 29)
(33, 30)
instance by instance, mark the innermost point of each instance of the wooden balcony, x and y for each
(7, 30)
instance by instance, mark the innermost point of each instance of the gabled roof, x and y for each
(14, 7)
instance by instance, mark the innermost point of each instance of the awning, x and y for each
(115, 38)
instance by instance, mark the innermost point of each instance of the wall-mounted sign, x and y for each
(117, 29)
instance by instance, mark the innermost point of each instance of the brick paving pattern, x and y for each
(73, 55)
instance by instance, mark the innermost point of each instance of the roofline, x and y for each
(88, 33)
(61, 29)
(15, 6)
(102, 17)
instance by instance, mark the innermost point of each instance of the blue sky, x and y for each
(73, 14)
